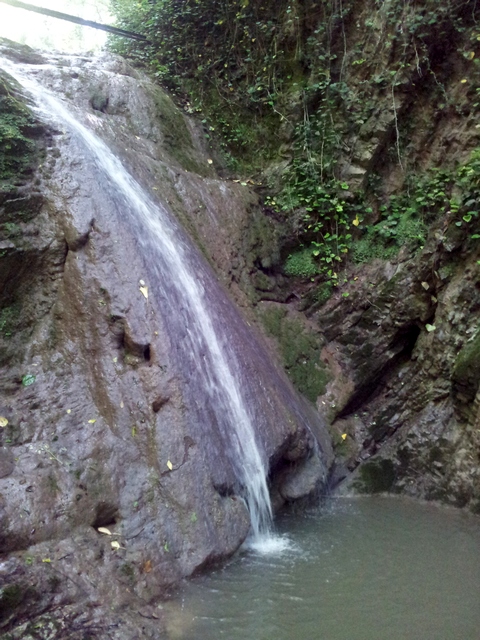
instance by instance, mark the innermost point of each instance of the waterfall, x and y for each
(174, 261)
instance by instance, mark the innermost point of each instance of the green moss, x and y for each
(466, 371)
(11, 597)
(10, 230)
(17, 148)
(128, 570)
(9, 318)
(300, 352)
(376, 477)
(323, 293)
(301, 264)
(272, 320)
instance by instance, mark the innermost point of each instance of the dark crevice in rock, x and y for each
(77, 241)
(158, 403)
(225, 490)
(400, 348)
(106, 514)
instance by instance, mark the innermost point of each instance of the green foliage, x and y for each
(405, 217)
(28, 380)
(279, 74)
(301, 264)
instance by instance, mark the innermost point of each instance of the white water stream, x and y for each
(215, 359)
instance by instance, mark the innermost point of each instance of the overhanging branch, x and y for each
(75, 19)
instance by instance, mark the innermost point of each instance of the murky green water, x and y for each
(367, 569)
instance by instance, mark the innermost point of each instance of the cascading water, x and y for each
(204, 345)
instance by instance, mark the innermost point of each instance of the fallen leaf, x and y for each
(356, 222)
(115, 359)
(115, 545)
(430, 327)
(92, 421)
(134, 432)
(144, 290)
(169, 465)
(46, 560)
(147, 567)
(210, 161)
(3, 421)
(344, 436)
(104, 530)
(28, 380)
(463, 81)
(425, 285)
(244, 184)
(69, 411)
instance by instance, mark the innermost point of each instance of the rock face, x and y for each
(101, 426)
(404, 349)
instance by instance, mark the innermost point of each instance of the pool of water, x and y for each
(361, 569)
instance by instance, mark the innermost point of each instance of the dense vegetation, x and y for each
(296, 89)
(16, 128)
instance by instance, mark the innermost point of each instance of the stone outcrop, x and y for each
(96, 429)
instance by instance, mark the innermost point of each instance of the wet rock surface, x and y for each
(97, 426)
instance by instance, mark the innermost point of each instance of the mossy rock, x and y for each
(13, 597)
(300, 352)
(466, 371)
(376, 477)
(17, 133)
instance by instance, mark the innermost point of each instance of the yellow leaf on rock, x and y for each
(144, 291)
(69, 411)
(169, 465)
(210, 161)
(46, 560)
(92, 421)
(147, 567)
(344, 436)
(463, 81)
(115, 545)
(104, 530)
(3, 421)
(425, 285)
